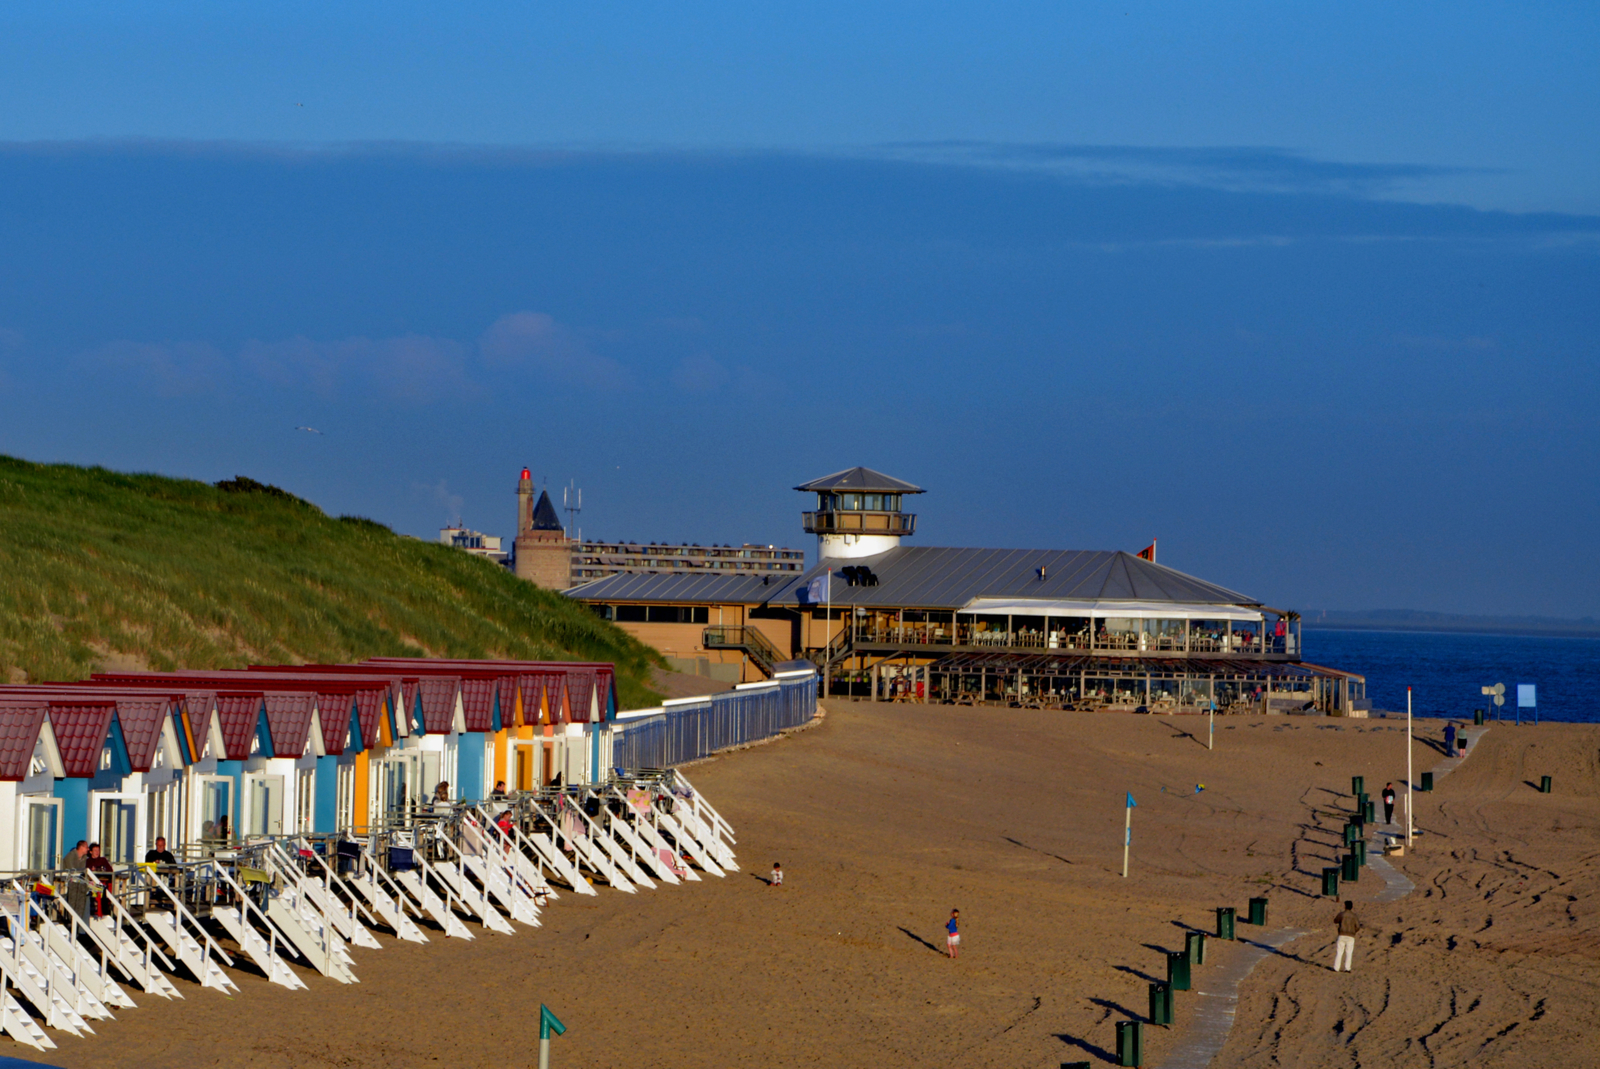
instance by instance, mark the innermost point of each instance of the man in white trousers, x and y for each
(1344, 948)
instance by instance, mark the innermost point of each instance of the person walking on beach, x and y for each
(952, 940)
(1345, 945)
(1388, 803)
(1449, 740)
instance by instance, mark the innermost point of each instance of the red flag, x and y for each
(1149, 552)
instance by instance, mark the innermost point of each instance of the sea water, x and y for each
(1447, 672)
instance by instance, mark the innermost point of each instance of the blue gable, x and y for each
(264, 733)
(106, 779)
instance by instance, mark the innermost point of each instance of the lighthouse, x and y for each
(858, 513)
(541, 553)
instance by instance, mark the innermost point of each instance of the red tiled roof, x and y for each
(439, 703)
(530, 687)
(20, 724)
(333, 715)
(289, 720)
(369, 710)
(142, 720)
(238, 714)
(580, 689)
(80, 729)
(602, 686)
(477, 703)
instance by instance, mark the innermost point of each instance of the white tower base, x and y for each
(848, 546)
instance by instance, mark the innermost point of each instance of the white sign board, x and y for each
(1525, 696)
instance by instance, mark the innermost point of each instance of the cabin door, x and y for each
(266, 804)
(41, 834)
(118, 818)
(216, 807)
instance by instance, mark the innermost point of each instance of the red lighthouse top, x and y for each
(525, 474)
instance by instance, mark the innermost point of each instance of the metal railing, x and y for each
(748, 639)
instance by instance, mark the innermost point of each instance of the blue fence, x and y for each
(689, 730)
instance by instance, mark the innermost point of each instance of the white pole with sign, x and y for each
(1411, 786)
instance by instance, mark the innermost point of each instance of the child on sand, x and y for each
(952, 941)
(777, 875)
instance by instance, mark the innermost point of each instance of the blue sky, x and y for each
(1311, 297)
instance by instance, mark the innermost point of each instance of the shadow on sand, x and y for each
(913, 935)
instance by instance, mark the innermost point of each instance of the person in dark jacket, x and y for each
(1344, 948)
(1388, 803)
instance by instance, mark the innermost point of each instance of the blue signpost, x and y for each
(547, 1021)
(1527, 699)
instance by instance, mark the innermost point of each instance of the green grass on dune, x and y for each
(100, 568)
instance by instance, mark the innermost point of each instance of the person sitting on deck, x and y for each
(499, 791)
(100, 870)
(160, 855)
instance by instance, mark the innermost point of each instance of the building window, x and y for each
(678, 614)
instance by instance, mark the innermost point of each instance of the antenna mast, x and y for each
(572, 501)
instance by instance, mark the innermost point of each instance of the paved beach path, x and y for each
(1205, 1027)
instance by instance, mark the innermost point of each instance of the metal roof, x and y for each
(933, 577)
(705, 587)
(864, 479)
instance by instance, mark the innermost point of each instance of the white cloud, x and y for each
(699, 374)
(413, 368)
(535, 340)
(173, 369)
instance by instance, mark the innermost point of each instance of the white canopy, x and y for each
(1148, 610)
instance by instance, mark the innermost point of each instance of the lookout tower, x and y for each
(858, 513)
(541, 553)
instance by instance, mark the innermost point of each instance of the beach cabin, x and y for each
(31, 816)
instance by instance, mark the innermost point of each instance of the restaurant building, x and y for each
(1048, 628)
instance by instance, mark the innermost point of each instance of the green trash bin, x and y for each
(1130, 1042)
(1358, 784)
(1427, 781)
(1477, 717)
(1362, 798)
(1369, 812)
(1352, 870)
(1178, 969)
(1545, 783)
(1330, 882)
(1352, 832)
(1195, 944)
(1359, 848)
(1160, 1003)
(1224, 922)
(1258, 911)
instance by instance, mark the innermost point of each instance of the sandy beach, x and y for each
(886, 817)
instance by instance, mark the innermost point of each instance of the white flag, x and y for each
(817, 589)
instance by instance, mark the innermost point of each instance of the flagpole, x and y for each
(1127, 835)
(827, 638)
(1211, 729)
(1410, 784)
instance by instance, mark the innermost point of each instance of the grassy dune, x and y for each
(99, 568)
